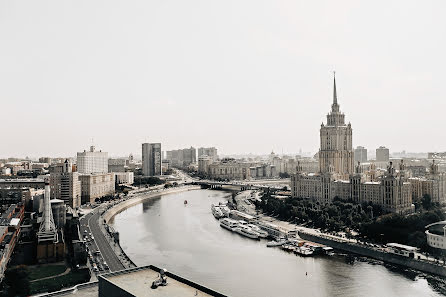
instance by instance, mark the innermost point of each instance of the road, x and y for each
(89, 224)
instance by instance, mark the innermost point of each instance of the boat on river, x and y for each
(276, 243)
(229, 224)
(304, 251)
(216, 212)
(246, 231)
(220, 210)
(262, 233)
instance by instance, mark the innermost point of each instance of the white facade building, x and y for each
(96, 186)
(124, 178)
(436, 235)
(92, 161)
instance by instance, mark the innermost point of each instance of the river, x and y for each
(187, 240)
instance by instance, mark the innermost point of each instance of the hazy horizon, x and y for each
(243, 76)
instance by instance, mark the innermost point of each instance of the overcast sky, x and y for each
(243, 76)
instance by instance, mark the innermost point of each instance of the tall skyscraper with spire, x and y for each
(391, 191)
(336, 154)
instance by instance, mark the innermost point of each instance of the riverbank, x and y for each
(121, 206)
(420, 265)
(191, 242)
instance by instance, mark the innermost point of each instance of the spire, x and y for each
(335, 96)
(335, 105)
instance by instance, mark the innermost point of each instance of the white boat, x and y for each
(216, 211)
(221, 210)
(246, 231)
(304, 251)
(262, 233)
(276, 243)
(229, 224)
(225, 210)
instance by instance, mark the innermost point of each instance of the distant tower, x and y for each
(336, 151)
(47, 230)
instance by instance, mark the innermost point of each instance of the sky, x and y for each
(245, 76)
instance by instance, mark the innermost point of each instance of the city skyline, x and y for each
(100, 79)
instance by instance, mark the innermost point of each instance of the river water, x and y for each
(187, 240)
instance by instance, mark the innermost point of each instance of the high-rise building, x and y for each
(360, 154)
(189, 156)
(208, 151)
(336, 153)
(117, 165)
(182, 158)
(392, 190)
(203, 163)
(382, 154)
(92, 161)
(151, 159)
(65, 184)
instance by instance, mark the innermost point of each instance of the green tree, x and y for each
(426, 201)
(16, 281)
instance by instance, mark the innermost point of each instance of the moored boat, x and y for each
(216, 211)
(262, 233)
(276, 243)
(246, 231)
(303, 251)
(229, 224)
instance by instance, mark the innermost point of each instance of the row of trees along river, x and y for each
(366, 219)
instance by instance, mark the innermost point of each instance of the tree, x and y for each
(284, 175)
(17, 281)
(426, 201)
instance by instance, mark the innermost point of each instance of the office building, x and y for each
(124, 178)
(96, 186)
(182, 158)
(92, 161)
(151, 159)
(360, 154)
(208, 151)
(65, 184)
(382, 154)
(203, 164)
(117, 165)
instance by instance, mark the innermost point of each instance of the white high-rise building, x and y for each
(92, 161)
(151, 159)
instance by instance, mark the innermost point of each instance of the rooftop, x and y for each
(137, 282)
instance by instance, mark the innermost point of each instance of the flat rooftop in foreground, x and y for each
(138, 283)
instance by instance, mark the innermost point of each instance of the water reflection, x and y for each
(146, 205)
(189, 241)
